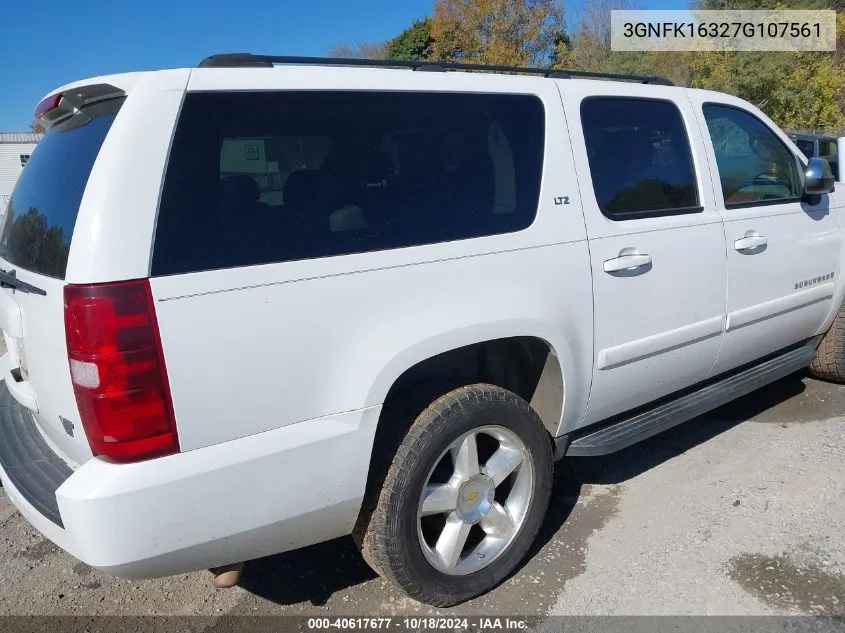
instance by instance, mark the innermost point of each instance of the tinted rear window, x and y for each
(640, 158)
(42, 212)
(808, 148)
(256, 178)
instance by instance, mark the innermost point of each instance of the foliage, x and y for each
(589, 48)
(503, 32)
(360, 50)
(45, 247)
(414, 43)
(799, 91)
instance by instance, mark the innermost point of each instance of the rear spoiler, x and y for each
(58, 107)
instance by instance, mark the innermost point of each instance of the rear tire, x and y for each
(829, 363)
(463, 498)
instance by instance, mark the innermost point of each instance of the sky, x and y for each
(47, 43)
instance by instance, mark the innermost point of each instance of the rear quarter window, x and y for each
(41, 215)
(266, 177)
(827, 148)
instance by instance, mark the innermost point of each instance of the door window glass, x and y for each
(640, 159)
(754, 165)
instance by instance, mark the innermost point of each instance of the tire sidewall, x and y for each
(452, 423)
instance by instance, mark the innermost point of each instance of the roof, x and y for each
(248, 60)
(19, 137)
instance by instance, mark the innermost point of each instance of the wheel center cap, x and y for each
(475, 498)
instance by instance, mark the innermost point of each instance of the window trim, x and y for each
(626, 216)
(756, 203)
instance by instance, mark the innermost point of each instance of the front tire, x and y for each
(464, 497)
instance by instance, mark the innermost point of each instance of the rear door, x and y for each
(783, 251)
(35, 240)
(656, 242)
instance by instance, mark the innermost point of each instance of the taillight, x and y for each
(118, 372)
(48, 105)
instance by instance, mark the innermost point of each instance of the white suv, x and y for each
(268, 302)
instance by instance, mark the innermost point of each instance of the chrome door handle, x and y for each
(626, 262)
(751, 241)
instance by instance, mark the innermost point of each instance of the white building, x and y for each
(15, 149)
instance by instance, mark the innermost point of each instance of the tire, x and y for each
(829, 363)
(497, 516)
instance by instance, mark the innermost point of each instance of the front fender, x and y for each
(838, 199)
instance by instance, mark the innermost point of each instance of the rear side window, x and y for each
(42, 211)
(256, 178)
(640, 159)
(827, 148)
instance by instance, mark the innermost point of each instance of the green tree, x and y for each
(798, 90)
(414, 43)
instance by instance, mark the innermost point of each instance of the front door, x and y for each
(783, 251)
(656, 244)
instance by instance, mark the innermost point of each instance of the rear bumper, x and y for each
(30, 464)
(252, 497)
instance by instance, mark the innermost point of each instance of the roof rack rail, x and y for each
(248, 60)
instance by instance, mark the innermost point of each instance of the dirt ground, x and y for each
(738, 512)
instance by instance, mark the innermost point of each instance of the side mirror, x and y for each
(818, 178)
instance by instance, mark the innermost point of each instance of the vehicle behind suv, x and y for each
(814, 146)
(268, 302)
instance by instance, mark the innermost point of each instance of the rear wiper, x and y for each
(8, 280)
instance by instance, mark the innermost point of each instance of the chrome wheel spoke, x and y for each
(452, 539)
(439, 499)
(498, 522)
(502, 463)
(461, 525)
(466, 458)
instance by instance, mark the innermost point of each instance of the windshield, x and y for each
(39, 221)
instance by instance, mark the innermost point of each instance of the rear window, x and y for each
(42, 211)
(256, 178)
(808, 148)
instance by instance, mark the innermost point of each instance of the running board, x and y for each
(628, 431)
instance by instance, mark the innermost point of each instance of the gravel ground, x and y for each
(739, 512)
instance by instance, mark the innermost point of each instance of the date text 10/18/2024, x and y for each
(419, 623)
